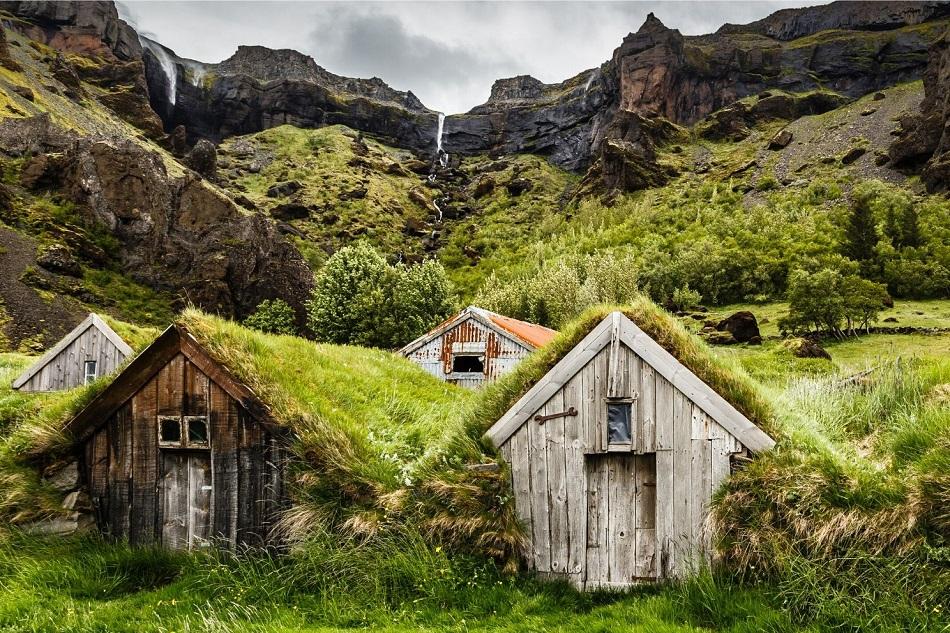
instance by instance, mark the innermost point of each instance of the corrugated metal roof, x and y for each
(529, 334)
(536, 335)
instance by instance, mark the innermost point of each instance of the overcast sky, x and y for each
(447, 53)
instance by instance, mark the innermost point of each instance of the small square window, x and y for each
(90, 371)
(618, 422)
(197, 430)
(169, 430)
(467, 363)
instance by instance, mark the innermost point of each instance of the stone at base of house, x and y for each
(62, 526)
(63, 478)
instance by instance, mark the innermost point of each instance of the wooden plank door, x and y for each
(621, 519)
(186, 499)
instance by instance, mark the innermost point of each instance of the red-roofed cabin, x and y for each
(476, 346)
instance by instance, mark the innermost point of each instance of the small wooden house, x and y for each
(615, 454)
(476, 346)
(91, 350)
(178, 451)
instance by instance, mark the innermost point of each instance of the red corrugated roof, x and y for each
(536, 335)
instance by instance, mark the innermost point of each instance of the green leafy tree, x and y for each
(861, 232)
(274, 316)
(360, 299)
(826, 300)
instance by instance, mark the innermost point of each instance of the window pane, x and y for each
(618, 422)
(170, 430)
(197, 431)
(468, 364)
(90, 371)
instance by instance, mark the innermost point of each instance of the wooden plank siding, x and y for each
(63, 367)
(229, 491)
(597, 517)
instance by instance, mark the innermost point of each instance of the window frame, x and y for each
(87, 377)
(479, 356)
(621, 445)
(184, 427)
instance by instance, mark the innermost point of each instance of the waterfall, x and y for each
(168, 66)
(439, 152)
(197, 73)
(590, 80)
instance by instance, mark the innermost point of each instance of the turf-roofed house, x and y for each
(178, 451)
(616, 451)
(91, 350)
(476, 346)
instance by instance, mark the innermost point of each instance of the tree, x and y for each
(861, 232)
(274, 316)
(360, 299)
(825, 300)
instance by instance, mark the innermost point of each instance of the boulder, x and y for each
(720, 338)
(58, 259)
(24, 91)
(780, 140)
(852, 155)
(282, 189)
(518, 186)
(203, 158)
(290, 211)
(742, 325)
(63, 477)
(484, 186)
(806, 348)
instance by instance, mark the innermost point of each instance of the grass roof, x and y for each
(724, 375)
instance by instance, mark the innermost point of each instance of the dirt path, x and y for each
(30, 314)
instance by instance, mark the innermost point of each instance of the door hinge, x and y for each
(541, 419)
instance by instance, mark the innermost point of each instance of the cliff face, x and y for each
(925, 138)
(658, 72)
(258, 88)
(82, 27)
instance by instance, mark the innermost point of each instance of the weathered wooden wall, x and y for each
(502, 353)
(66, 370)
(603, 515)
(126, 471)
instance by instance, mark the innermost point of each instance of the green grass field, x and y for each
(841, 528)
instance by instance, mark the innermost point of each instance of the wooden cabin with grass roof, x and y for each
(91, 350)
(476, 346)
(180, 452)
(616, 450)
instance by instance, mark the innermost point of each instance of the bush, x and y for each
(826, 300)
(360, 299)
(274, 316)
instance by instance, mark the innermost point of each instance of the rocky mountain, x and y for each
(226, 183)
(924, 142)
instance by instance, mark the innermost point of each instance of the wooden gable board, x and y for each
(93, 320)
(173, 340)
(618, 327)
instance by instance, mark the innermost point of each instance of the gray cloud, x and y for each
(447, 53)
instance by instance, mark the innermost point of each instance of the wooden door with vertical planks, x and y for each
(186, 499)
(621, 507)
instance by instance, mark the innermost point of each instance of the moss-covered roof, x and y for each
(726, 378)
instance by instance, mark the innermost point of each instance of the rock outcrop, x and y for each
(178, 234)
(259, 88)
(924, 143)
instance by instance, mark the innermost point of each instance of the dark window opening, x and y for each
(197, 430)
(618, 422)
(468, 364)
(169, 430)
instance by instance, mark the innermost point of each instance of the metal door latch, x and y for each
(541, 419)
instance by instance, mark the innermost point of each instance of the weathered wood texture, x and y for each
(228, 492)
(500, 352)
(65, 368)
(613, 515)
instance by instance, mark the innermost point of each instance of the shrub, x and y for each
(274, 316)
(360, 299)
